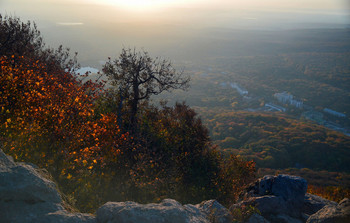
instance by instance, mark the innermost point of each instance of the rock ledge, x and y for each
(27, 196)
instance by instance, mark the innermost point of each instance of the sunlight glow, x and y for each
(143, 5)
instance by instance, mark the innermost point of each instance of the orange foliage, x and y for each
(331, 192)
(236, 174)
(52, 119)
(49, 115)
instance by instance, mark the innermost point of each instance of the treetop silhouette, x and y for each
(138, 76)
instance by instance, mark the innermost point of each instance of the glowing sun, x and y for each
(141, 4)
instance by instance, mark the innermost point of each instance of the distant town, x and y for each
(284, 98)
(278, 102)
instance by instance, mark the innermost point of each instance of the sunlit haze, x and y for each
(105, 26)
(142, 5)
(170, 10)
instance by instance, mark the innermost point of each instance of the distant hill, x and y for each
(277, 141)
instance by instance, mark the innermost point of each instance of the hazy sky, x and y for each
(105, 26)
(207, 12)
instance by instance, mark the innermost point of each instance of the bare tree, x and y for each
(139, 76)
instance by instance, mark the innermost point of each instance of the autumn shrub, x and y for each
(180, 151)
(243, 213)
(332, 193)
(41, 108)
(180, 162)
(49, 120)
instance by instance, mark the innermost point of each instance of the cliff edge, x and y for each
(27, 196)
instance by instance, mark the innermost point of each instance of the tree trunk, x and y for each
(134, 106)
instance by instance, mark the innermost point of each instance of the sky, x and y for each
(186, 12)
(102, 25)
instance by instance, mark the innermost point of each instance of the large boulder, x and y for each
(215, 211)
(169, 211)
(22, 182)
(256, 218)
(276, 197)
(290, 189)
(314, 203)
(282, 218)
(27, 196)
(332, 214)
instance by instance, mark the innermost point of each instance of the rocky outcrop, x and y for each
(282, 199)
(256, 218)
(276, 195)
(216, 212)
(26, 196)
(168, 210)
(313, 203)
(332, 214)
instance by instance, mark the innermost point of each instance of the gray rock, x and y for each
(271, 204)
(66, 217)
(21, 211)
(215, 211)
(23, 183)
(27, 196)
(313, 204)
(256, 218)
(5, 161)
(267, 205)
(281, 218)
(274, 195)
(291, 188)
(332, 214)
(168, 211)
